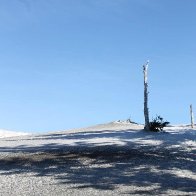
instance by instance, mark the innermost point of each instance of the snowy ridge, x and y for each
(6, 133)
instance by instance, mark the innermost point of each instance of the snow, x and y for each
(6, 133)
(118, 158)
(120, 134)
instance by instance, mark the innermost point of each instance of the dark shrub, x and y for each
(157, 124)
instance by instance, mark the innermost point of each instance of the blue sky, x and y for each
(67, 64)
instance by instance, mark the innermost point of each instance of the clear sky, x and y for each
(74, 63)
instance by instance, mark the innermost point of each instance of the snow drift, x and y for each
(6, 133)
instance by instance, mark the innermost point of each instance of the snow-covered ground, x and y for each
(117, 158)
(115, 134)
(6, 133)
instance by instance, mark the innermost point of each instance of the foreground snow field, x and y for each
(118, 158)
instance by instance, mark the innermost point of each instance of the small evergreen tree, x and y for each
(157, 124)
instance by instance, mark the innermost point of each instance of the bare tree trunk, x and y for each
(146, 112)
(192, 117)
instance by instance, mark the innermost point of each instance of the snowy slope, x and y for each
(112, 135)
(117, 158)
(6, 133)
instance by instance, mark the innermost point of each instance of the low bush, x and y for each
(157, 124)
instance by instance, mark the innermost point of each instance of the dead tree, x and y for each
(146, 111)
(192, 116)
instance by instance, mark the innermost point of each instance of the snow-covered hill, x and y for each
(112, 135)
(6, 133)
(117, 158)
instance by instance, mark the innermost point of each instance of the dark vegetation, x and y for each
(157, 124)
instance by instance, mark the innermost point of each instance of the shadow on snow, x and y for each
(106, 167)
